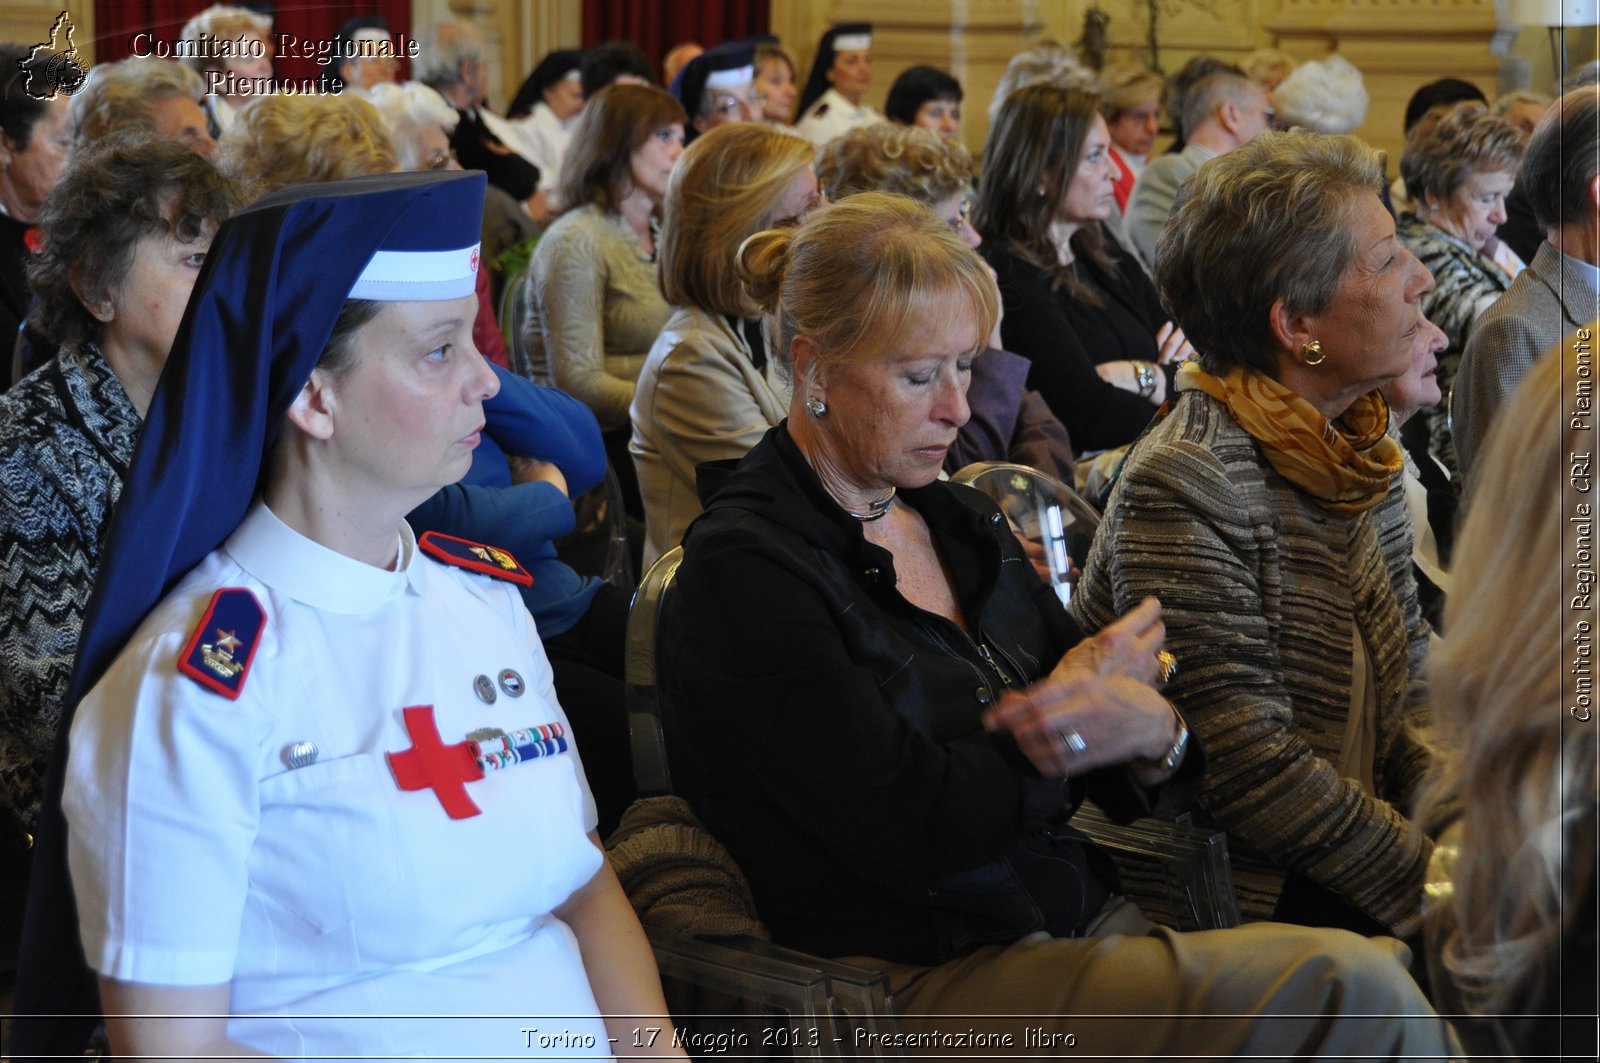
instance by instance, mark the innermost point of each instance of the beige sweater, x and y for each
(593, 311)
(1261, 590)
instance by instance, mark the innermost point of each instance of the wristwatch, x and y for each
(1145, 374)
(1180, 744)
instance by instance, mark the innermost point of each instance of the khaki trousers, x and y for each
(1261, 991)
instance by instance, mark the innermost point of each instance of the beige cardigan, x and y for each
(593, 311)
(1261, 590)
(699, 398)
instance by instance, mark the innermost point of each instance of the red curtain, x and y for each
(656, 25)
(117, 22)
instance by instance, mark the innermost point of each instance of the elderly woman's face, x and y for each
(144, 311)
(1091, 194)
(256, 62)
(1370, 331)
(1476, 209)
(1525, 115)
(28, 175)
(409, 411)
(180, 118)
(433, 148)
(895, 416)
(956, 214)
(1418, 387)
(1134, 130)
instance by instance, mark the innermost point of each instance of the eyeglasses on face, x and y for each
(727, 104)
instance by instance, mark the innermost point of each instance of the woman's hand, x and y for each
(1124, 374)
(1099, 705)
(1172, 344)
(1033, 549)
(532, 470)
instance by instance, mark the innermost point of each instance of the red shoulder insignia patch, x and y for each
(219, 652)
(475, 557)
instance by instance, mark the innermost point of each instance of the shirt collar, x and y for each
(1588, 271)
(309, 572)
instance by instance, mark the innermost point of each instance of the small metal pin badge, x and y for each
(512, 683)
(300, 755)
(483, 686)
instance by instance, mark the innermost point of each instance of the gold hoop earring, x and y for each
(1311, 352)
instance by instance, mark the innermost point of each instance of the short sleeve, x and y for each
(162, 803)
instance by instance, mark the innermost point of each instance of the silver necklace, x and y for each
(875, 510)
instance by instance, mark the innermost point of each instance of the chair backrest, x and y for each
(785, 981)
(618, 569)
(651, 774)
(513, 317)
(1042, 510)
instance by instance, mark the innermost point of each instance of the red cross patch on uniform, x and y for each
(219, 652)
(476, 557)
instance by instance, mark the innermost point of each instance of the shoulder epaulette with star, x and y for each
(224, 643)
(475, 557)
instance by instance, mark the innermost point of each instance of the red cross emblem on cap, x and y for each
(431, 765)
(474, 260)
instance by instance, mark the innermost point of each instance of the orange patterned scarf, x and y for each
(1345, 465)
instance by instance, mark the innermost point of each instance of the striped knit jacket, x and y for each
(67, 433)
(1261, 590)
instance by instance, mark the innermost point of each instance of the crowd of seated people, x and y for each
(313, 706)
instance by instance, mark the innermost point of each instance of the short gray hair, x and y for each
(1563, 157)
(119, 96)
(408, 109)
(1450, 143)
(1324, 95)
(1211, 92)
(1267, 221)
(447, 46)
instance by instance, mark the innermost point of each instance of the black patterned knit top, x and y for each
(67, 433)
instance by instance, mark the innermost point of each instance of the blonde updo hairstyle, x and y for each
(1126, 87)
(863, 277)
(287, 139)
(904, 159)
(726, 186)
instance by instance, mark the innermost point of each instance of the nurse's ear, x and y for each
(312, 411)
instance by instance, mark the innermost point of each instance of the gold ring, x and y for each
(1169, 667)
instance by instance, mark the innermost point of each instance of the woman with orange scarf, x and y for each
(1264, 509)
